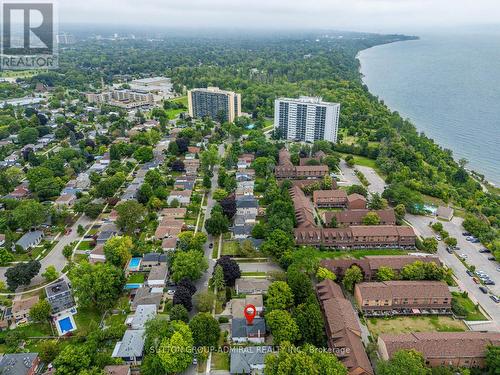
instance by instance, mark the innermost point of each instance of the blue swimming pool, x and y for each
(65, 325)
(134, 263)
(133, 286)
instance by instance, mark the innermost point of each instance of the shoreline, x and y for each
(477, 176)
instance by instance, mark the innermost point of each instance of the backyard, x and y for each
(473, 312)
(408, 324)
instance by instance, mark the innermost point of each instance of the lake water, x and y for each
(449, 86)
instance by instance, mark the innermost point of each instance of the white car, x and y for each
(438, 238)
(463, 256)
(170, 292)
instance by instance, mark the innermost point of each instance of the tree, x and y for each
(130, 216)
(176, 352)
(400, 211)
(325, 274)
(98, 285)
(48, 350)
(188, 240)
(190, 264)
(22, 274)
(118, 250)
(413, 271)
(50, 273)
(430, 244)
(177, 166)
(277, 243)
(403, 362)
(377, 202)
(72, 359)
(386, 274)
(93, 210)
(204, 301)
(307, 360)
(217, 224)
(263, 166)
(217, 280)
(300, 282)
(179, 312)
(451, 241)
(29, 213)
(230, 268)
(352, 276)
(246, 249)
(188, 284)
(5, 256)
(282, 326)
(205, 330)
(27, 135)
(493, 359)
(310, 321)
(279, 296)
(371, 218)
(228, 205)
(183, 296)
(40, 312)
(219, 194)
(333, 222)
(144, 154)
(357, 189)
(67, 251)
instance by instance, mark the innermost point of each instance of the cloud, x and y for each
(300, 14)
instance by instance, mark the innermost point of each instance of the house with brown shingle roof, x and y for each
(173, 213)
(304, 212)
(21, 307)
(455, 349)
(356, 201)
(347, 218)
(370, 265)
(403, 298)
(330, 198)
(286, 169)
(342, 329)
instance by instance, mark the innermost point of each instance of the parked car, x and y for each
(489, 282)
(485, 251)
(476, 280)
(475, 240)
(498, 268)
(495, 298)
(470, 273)
(466, 234)
(463, 256)
(449, 249)
(211, 245)
(483, 289)
(492, 258)
(469, 238)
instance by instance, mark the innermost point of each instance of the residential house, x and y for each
(238, 305)
(242, 332)
(19, 364)
(21, 191)
(141, 316)
(146, 296)
(403, 298)
(370, 265)
(247, 205)
(445, 213)
(347, 218)
(304, 212)
(242, 231)
(66, 200)
(183, 197)
(21, 308)
(330, 198)
(131, 347)
(249, 359)
(158, 276)
(59, 296)
(286, 170)
(97, 254)
(152, 259)
(356, 202)
(454, 349)
(251, 286)
(173, 213)
(169, 244)
(30, 239)
(343, 331)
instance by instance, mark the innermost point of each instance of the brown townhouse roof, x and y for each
(355, 196)
(169, 243)
(312, 168)
(284, 158)
(171, 223)
(174, 212)
(329, 195)
(468, 344)
(181, 193)
(342, 328)
(303, 209)
(346, 217)
(403, 289)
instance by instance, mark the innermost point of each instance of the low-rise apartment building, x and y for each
(348, 218)
(403, 298)
(286, 169)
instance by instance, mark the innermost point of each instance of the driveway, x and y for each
(347, 176)
(377, 184)
(259, 267)
(420, 224)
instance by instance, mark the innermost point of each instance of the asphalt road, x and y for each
(377, 184)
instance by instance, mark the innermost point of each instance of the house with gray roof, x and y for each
(30, 239)
(249, 359)
(59, 296)
(242, 332)
(146, 296)
(142, 314)
(131, 347)
(243, 231)
(19, 364)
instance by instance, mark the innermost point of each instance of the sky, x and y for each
(356, 15)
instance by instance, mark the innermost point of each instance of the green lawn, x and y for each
(136, 278)
(85, 245)
(85, 317)
(220, 361)
(356, 253)
(408, 324)
(230, 248)
(261, 274)
(473, 312)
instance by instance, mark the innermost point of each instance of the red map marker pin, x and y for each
(250, 312)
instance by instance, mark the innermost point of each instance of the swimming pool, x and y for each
(133, 286)
(66, 325)
(134, 264)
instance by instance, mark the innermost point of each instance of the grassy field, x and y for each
(136, 278)
(257, 274)
(220, 361)
(230, 248)
(473, 312)
(85, 245)
(408, 324)
(357, 253)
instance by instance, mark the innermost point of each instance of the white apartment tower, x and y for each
(306, 119)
